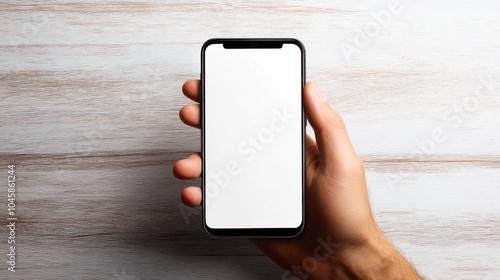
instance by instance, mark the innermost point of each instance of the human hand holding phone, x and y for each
(341, 239)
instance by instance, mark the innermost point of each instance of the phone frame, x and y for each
(249, 43)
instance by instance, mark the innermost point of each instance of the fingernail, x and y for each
(316, 93)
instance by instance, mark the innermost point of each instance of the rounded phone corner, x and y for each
(208, 230)
(297, 231)
(297, 42)
(209, 42)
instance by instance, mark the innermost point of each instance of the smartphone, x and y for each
(253, 137)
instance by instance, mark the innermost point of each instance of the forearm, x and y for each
(377, 259)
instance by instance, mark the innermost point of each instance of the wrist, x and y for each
(376, 258)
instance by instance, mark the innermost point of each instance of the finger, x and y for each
(311, 150)
(191, 196)
(190, 115)
(312, 159)
(191, 89)
(189, 168)
(331, 134)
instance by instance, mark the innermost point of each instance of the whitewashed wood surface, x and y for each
(89, 95)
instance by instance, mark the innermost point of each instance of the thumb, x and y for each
(334, 145)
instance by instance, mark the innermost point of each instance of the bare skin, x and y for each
(337, 207)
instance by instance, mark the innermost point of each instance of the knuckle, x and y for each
(353, 167)
(336, 119)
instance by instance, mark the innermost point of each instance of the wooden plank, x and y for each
(119, 82)
(130, 214)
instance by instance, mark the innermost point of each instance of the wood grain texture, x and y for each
(90, 92)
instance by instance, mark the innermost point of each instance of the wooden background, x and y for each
(90, 93)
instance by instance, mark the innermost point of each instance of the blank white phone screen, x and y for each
(253, 137)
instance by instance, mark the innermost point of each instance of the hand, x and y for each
(340, 238)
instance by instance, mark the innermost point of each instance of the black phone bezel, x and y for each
(253, 43)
